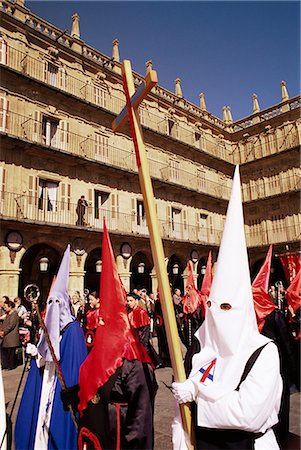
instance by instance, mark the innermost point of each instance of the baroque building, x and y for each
(58, 98)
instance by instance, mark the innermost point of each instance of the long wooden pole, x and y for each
(156, 244)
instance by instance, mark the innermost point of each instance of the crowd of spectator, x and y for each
(19, 325)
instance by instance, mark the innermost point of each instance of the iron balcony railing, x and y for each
(24, 208)
(96, 149)
(163, 123)
(192, 177)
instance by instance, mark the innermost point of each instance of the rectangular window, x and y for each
(176, 220)
(201, 181)
(140, 213)
(101, 200)
(172, 129)
(3, 51)
(47, 199)
(52, 74)
(142, 115)
(4, 106)
(101, 147)
(49, 131)
(174, 170)
(100, 96)
(199, 140)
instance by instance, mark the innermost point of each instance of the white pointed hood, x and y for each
(58, 313)
(229, 335)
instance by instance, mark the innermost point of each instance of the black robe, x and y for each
(122, 409)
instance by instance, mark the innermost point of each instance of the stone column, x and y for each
(10, 271)
(202, 102)
(285, 97)
(76, 281)
(75, 26)
(123, 267)
(178, 89)
(115, 52)
(154, 278)
(9, 282)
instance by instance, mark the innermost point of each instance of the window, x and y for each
(174, 170)
(140, 213)
(49, 131)
(176, 219)
(47, 195)
(101, 147)
(100, 204)
(172, 129)
(201, 181)
(51, 74)
(4, 106)
(142, 115)
(3, 51)
(199, 140)
(100, 96)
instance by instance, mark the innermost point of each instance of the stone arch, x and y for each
(277, 272)
(92, 277)
(141, 280)
(175, 269)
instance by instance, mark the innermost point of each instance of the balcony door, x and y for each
(50, 129)
(47, 199)
(101, 208)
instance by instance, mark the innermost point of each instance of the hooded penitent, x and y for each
(192, 299)
(229, 334)
(58, 313)
(293, 293)
(262, 303)
(207, 283)
(115, 340)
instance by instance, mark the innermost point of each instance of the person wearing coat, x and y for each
(9, 334)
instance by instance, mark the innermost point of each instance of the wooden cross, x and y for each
(130, 112)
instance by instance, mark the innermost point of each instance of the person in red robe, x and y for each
(140, 321)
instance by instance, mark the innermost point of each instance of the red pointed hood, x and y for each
(207, 283)
(192, 294)
(263, 276)
(263, 305)
(115, 340)
(293, 292)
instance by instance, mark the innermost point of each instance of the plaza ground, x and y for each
(164, 408)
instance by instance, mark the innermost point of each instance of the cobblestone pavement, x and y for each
(164, 408)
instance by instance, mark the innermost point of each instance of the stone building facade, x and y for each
(58, 98)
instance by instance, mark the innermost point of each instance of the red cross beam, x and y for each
(130, 112)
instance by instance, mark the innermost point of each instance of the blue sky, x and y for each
(228, 50)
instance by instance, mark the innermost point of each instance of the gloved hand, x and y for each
(184, 392)
(69, 396)
(31, 349)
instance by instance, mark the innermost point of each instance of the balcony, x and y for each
(57, 136)
(29, 209)
(271, 186)
(257, 147)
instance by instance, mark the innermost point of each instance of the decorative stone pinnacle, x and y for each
(115, 51)
(75, 26)
(256, 108)
(284, 92)
(178, 89)
(149, 65)
(229, 115)
(202, 102)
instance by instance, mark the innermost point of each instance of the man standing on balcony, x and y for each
(81, 211)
